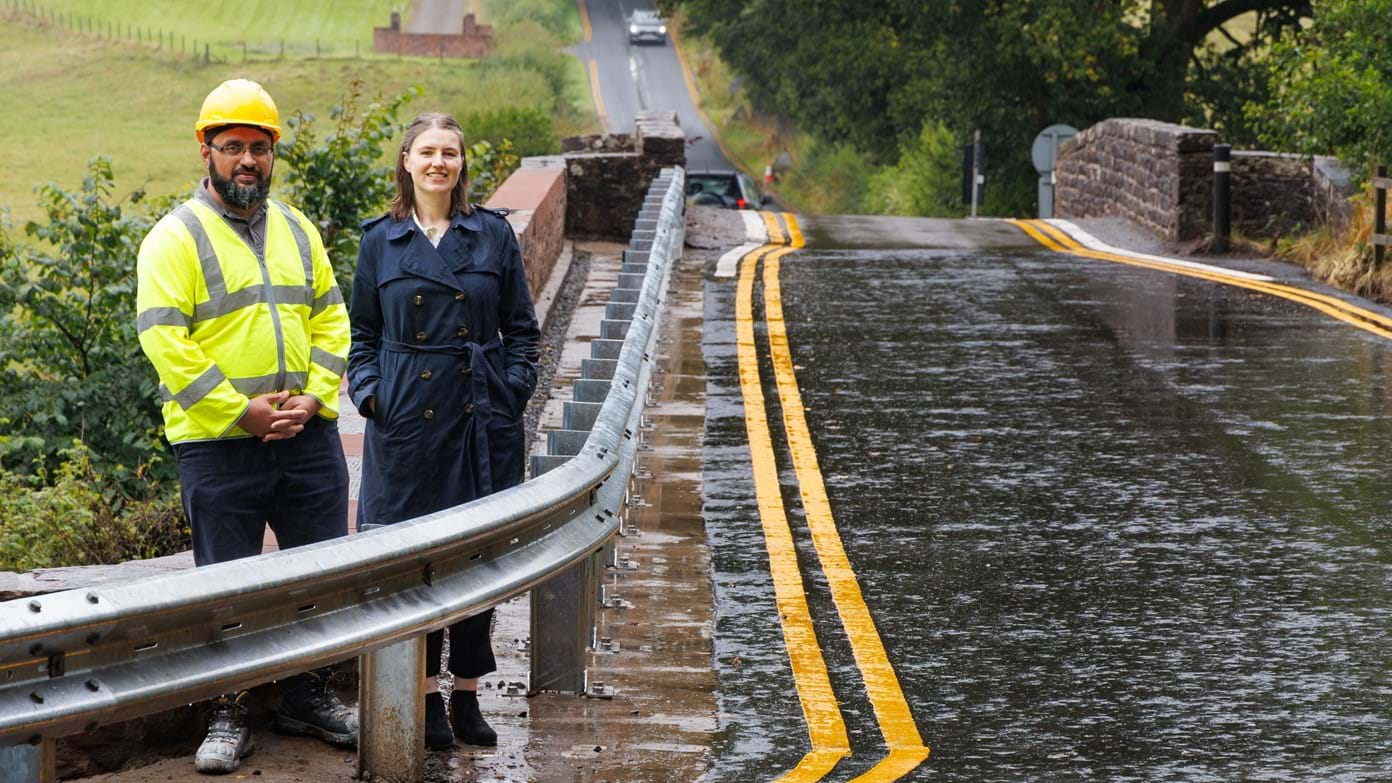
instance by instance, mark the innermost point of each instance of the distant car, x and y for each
(724, 188)
(646, 27)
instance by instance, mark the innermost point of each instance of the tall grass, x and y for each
(1344, 259)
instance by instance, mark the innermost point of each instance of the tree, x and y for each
(70, 366)
(872, 72)
(339, 180)
(1333, 86)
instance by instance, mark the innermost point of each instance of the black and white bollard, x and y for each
(1222, 197)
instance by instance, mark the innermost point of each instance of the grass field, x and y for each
(337, 25)
(65, 98)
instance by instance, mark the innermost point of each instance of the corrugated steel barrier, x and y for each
(75, 660)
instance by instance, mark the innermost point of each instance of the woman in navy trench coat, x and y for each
(442, 364)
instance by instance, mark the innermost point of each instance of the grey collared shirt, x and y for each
(252, 230)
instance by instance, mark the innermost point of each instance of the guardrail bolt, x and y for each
(36, 697)
(93, 638)
(35, 606)
(92, 598)
(36, 650)
(93, 686)
(428, 574)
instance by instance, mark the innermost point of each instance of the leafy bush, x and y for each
(489, 165)
(926, 182)
(530, 48)
(528, 128)
(1332, 86)
(558, 17)
(831, 179)
(339, 180)
(64, 516)
(70, 366)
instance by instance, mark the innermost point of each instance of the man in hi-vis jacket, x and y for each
(240, 314)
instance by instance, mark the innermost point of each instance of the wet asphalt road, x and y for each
(635, 78)
(1112, 524)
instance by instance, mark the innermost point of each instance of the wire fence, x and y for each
(178, 44)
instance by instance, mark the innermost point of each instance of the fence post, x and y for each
(207, 53)
(1222, 197)
(244, 55)
(1379, 214)
(391, 732)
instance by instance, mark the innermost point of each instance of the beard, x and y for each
(240, 196)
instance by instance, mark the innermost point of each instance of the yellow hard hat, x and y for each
(239, 102)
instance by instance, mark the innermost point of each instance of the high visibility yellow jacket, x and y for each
(222, 325)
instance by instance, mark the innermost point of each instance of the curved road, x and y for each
(633, 78)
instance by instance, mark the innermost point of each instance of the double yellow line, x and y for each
(1056, 239)
(825, 725)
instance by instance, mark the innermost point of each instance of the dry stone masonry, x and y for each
(608, 175)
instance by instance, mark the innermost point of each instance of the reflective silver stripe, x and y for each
(162, 316)
(326, 300)
(328, 361)
(212, 270)
(302, 241)
(266, 384)
(201, 387)
(284, 294)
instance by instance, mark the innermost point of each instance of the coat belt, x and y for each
(483, 406)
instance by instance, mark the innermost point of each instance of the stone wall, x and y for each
(536, 196)
(473, 40)
(607, 176)
(1160, 176)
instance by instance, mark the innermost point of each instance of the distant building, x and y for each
(473, 40)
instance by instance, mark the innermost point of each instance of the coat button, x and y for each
(463, 331)
(429, 413)
(420, 337)
(459, 297)
(426, 375)
(469, 407)
(416, 300)
(465, 370)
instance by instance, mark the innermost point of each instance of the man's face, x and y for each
(242, 180)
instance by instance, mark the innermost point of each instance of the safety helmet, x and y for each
(238, 102)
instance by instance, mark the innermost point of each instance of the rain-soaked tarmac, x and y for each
(1112, 524)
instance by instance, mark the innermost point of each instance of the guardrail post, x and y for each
(1379, 214)
(29, 763)
(391, 736)
(563, 628)
(1222, 197)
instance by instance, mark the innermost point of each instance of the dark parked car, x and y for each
(646, 27)
(724, 188)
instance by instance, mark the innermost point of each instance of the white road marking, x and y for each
(1092, 242)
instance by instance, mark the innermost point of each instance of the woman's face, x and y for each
(435, 160)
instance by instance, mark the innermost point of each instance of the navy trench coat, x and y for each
(446, 341)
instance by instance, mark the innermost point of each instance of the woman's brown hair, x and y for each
(403, 204)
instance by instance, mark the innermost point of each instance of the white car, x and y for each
(646, 27)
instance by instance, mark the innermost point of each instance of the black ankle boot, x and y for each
(469, 724)
(437, 728)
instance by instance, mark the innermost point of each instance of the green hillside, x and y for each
(65, 97)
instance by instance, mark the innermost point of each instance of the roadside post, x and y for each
(1222, 197)
(1044, 154)
(978, 178)
(1379, 238)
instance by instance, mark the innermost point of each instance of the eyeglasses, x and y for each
(235, 149)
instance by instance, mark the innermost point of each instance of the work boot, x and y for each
(311, 708)
(437, 727)
(469, 725)
(229, 738)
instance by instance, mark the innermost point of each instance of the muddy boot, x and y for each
(437, 728)
(229, 737)
(469, 725)
(310, 707)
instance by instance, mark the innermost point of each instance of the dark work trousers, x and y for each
(232, 489)
(471, 649)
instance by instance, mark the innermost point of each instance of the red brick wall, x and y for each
(536, 194)
(476, 44)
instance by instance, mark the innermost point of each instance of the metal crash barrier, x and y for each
(76, 660)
